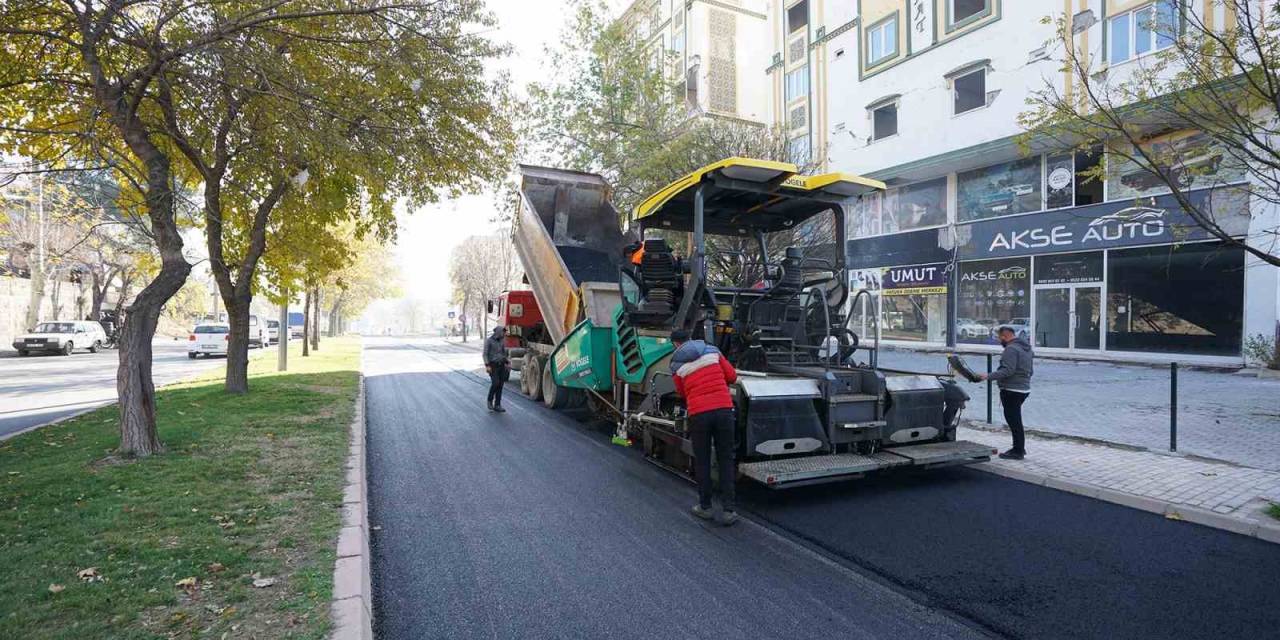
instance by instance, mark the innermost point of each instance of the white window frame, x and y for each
(956, 78)
(879, 29)
(871, 112)
(803, 71)
(1131, 16)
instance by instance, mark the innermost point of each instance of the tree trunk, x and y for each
(306, 323)
(315, 320)
(463, 312)
(134, 385)
(37, 298)
(237, 377)
(55, 298)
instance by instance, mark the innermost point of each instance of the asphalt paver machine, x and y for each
(806, 412)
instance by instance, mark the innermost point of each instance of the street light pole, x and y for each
(282, 334)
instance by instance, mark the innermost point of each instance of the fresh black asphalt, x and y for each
(528, 525)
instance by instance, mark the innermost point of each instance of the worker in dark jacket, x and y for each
(702, 377)
(498, 364)
(1014, 379)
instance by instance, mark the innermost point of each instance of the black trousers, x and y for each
(1012, 402)
(497, 378)
(707, 428)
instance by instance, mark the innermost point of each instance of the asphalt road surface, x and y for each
(528, 524)
(39, 388)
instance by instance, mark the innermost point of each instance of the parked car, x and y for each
(1021, 327)
(208, 338)
(257, 332)
(273, 331)
(63, 336)
(971, 328)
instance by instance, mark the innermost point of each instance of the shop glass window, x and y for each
(999, 190)
(867, 215)
(884, 121)
(923, 204)
(1088, 186)
(970, 91)
(798, 16)
(1145, 29)
(882, 40)
(1176, 299)
(798, 150)
(797, 83)
(1069, 268)
(993, 293)
(1059, 181)
(915, 303)
(962, 11)
(1191, 159)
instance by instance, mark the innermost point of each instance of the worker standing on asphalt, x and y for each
(702, 377)
(1014, 378)
(498, 364)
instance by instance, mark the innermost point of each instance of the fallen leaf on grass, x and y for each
(56, 588)
(15, 473)
(1173, 515)
(89, 575)
(263, 583)
(216, 567)
(190, 584)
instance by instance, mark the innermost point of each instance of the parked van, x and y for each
(257, 332)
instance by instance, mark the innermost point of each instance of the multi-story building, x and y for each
(980, 228)
(713, 47)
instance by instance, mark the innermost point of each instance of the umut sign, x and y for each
(1157, 220)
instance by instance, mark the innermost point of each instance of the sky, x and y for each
(427, 235)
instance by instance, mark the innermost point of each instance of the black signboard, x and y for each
(1157, 220)
(1069, 268)
(913, 247)
(916, 280)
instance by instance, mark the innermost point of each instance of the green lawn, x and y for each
(248, 486)
(1274, 511)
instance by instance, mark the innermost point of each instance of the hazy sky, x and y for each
(427, 235)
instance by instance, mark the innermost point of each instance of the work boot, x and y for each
(1013, 454)
(702, 512)
(497, 408)
(727, 518)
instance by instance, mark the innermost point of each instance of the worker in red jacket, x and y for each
(702, 376)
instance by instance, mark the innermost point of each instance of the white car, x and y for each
(971, 328)
(257, 332)
(209, 338)
(273, 331)
(63, 336)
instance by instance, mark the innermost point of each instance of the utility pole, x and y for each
(282, 334)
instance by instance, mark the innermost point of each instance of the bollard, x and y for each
(988, 388)
(1173, 406)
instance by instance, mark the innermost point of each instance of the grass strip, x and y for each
(249, 488)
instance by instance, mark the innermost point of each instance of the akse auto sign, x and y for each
(917, 280)
(1157, 220)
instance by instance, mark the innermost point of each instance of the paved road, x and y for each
(1220, 415)
(40, 388)
(530, 525)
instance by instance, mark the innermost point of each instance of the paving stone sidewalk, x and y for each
(1221, 415)
(1192, 488)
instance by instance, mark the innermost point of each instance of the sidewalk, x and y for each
(1216, 494)
(1220, 415)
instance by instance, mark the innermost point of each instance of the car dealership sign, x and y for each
(1156, 220)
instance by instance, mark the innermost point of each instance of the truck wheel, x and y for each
(553, 395)
(531, 375)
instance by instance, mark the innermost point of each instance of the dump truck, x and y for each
(807, 411)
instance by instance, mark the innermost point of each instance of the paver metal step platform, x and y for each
(794, 472)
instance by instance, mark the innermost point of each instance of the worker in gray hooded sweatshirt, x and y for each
(497, 363)
(1014, 378)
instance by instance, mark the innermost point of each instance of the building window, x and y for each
(882, 40)
(798, 16)
(1190, 159)
(923, 204)
(798, 150)
(1148, 28)
(1148, 308)
(797, 81)
(993, 293)
(1089, 185)
(970, 91)
(961, 12)
(884, 121)
(915, 303)
(999, 190)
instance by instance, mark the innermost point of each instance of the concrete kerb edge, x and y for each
(50, 423)
(1261, 530)
(352, 614)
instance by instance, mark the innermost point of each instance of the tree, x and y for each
(479, 269)
(367, 276)
(1202, 113)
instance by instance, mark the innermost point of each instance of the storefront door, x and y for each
(1068, 317)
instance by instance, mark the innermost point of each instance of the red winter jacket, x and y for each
(702, 377)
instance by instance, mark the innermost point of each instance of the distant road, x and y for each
(40, 388)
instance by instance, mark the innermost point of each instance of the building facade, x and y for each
(980, 228)
(712, 48)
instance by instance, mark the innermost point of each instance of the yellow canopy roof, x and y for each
(746, 195)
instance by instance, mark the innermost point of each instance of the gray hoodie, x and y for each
(1014, 372)
(495, 349)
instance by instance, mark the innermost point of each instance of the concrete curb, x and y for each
(73, 416)
(1261, 530)
(352, 605)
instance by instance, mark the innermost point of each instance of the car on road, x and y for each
(208, 338)
(257, 332)
(63, 336)
(273, 331)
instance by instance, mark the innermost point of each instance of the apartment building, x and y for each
(978, 230)
(713, 49)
